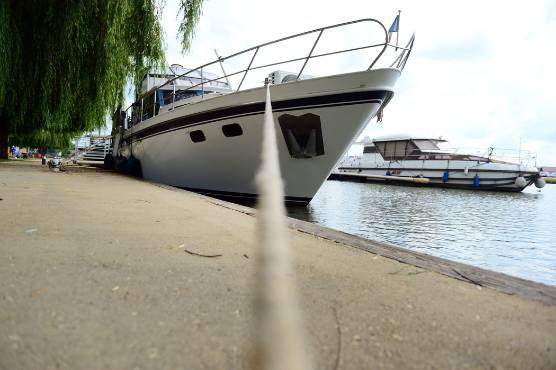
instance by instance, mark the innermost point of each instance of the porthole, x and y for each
(232, 130)
(197, 136)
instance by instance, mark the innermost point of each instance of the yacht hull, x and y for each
(336, 108)
(460, 174)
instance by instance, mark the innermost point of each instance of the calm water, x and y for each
(506, 232)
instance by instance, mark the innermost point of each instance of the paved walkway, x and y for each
(94, 275)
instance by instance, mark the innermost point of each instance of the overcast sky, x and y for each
(482, 72)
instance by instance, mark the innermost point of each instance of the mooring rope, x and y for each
(279, 337)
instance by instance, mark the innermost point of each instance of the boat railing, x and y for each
(523, 157)
(519, 156)
(150, 102)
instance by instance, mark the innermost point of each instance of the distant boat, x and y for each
(191, 129)
(405, 160)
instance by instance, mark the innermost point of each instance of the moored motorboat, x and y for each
(406, 160)
(190, 129)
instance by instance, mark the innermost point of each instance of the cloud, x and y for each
(481, 73)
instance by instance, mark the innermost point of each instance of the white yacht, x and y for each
(406, 160)
(191, 129)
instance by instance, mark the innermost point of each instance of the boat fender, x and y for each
(520, 182)
(540, 183)
(120, 163)
(133, 167)
(476, 181)
(109, 162)
(466, 170)
(445, 177)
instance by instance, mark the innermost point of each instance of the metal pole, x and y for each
(398, 33)
(174, 96)
(309, 56)
(519, 154)
(222, 66)
(249, 66)
(154, 105)
(141, 119)
(202, 85)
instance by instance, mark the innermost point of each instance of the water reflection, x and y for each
(513, 233)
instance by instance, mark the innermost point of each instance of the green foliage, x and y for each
(64, 64)
(191, 13)
(45, 138)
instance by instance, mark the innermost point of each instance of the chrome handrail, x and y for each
(399, 63)
(404, 55)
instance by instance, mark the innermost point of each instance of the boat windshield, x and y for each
(370, 149)
(426, 144)
(397, 149)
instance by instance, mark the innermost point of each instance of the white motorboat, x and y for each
(405, 160)
(190, 129)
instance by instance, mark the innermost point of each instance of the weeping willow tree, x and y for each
(64, 64)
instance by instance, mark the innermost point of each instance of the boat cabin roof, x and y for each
(395, 148)
(406, 138)
(402, 145)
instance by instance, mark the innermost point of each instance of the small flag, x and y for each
(394, 27)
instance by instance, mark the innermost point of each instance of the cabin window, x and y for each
(197, 136)
(232, 130)
(370, 149)
(426, 145)
(396, 150)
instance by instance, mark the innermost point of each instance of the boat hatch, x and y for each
(303, 135)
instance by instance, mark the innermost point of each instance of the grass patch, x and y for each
(550, 180)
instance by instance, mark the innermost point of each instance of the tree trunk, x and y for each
(3, 139)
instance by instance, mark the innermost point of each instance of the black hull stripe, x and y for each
(234, 196)
(351, 98)
(140, 137)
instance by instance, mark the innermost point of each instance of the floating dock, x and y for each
(105, 271)
(357, 177)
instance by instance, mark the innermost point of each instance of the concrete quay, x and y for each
(94, 274)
